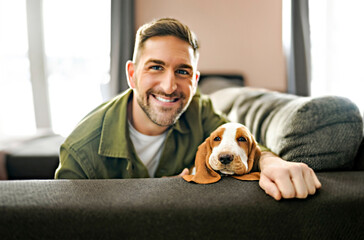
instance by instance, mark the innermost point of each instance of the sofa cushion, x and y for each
(324, 132)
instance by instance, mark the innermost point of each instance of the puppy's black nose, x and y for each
(226, 158)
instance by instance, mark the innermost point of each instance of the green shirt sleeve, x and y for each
(68, 168)
(211, 119)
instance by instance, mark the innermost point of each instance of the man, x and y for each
(154, 128)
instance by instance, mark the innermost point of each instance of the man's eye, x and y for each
(241, 139)
(183, 72)
(217, 139)
(156, 68)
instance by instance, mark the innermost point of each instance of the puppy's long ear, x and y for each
(204, 173)
(253, 176)
(254, 153)
(254, 156)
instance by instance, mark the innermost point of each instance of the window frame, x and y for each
(38, 74)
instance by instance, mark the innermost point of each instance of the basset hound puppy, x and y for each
(230, 150)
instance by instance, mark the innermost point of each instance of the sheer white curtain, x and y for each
(16, 98)
(76, 55)
(77, 49)
(337, 43)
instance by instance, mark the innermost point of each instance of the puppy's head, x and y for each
(233, 149)
(230, 150)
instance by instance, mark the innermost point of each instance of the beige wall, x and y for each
(236, 36)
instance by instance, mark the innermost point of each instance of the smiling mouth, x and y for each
(165, 100)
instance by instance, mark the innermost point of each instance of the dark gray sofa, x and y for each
(166, 208)
(174, 209)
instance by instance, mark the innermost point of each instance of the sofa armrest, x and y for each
(359, 159)
(323, 132)
(170, 208)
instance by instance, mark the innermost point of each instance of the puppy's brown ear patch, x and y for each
(254, 153)
(253, 176)
(204, 173)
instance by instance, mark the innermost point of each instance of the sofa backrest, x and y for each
(170, 208)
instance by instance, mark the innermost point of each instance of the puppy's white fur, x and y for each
(229, 145)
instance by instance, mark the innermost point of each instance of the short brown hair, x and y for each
(164, 27)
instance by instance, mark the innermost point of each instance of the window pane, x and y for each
(77, 47)
(16, 100)
(337, 48)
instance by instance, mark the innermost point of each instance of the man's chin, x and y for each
(165, 121)
(165, 116)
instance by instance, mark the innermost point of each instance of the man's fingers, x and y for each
(286, 185)
(301, 184)
(184, 172)
(316, 180)
(308, 184)
(269, 187)
(309, 178)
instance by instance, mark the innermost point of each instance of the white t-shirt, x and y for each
(148, 148)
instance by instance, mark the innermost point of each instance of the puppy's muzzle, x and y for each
(226, 158)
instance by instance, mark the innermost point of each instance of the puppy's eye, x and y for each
(241, 139)
(217, 139)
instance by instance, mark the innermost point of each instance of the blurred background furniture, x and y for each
(32, 158)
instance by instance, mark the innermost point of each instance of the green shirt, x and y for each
(100, 146)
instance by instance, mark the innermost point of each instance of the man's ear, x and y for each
(130, 71)
(197, 78)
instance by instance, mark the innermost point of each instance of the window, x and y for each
(77, 49)
(16, 99)
(77, 60)
(337, 41)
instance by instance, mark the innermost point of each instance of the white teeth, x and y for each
(164, 100)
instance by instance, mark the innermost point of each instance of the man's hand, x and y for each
(184, 172)
(282, 179)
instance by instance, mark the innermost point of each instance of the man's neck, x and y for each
(141, 121)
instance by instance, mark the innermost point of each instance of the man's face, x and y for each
(164, 79)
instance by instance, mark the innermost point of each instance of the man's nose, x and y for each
(168, 83)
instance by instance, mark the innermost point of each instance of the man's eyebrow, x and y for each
(156, 61)
(185, 66)
(160, 62)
